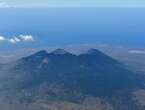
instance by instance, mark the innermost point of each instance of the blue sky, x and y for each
(26, 23)
(60, 26)
(72, 3)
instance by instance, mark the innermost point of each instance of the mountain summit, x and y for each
(93, 51)
(59, 52)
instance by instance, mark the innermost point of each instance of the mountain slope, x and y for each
(83, 72)
(63, 76)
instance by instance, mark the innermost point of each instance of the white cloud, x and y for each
(17, 39)
(2, 38)
(20, 38)
(26, 37)
(137, 51)
(13, 41)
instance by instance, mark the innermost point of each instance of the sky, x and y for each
(35, 23)
(30, 28)
(72, 3)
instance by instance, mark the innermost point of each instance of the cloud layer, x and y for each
(4, 5)
(72, 3)
(137, 51)
(20, 38)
